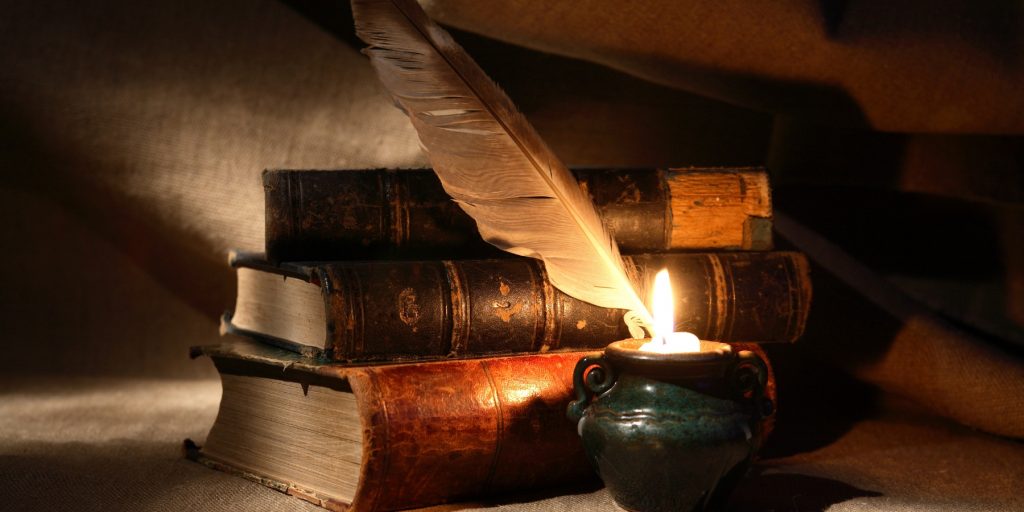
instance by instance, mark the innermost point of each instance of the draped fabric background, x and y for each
(132, 136)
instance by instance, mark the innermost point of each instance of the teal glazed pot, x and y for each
(670, 432)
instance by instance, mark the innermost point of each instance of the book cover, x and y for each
(405, 214)
(397, 310)
(428, 433)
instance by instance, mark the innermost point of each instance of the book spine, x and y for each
(325, 215)
(435, 433)
(390, 311)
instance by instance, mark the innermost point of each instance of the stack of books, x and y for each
(381, 356)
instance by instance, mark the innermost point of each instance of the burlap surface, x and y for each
(132, 136)
(115, 444)
(948, 66)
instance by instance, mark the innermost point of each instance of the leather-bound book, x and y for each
(389, 437)
(405, 214)
(420, 310)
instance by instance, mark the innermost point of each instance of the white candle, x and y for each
(665, 340)
(674, 343)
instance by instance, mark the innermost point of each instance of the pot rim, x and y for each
(629, 350)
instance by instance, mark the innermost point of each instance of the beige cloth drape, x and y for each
(132, 135)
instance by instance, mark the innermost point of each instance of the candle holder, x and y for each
(670, 432)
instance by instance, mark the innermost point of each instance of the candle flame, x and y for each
(662, 306)
(666, 340)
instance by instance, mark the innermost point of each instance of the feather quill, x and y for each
(491, 160)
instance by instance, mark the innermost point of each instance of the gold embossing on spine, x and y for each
(398, 211)
(552, 311)
(666, 193)
(721, 292)
(499, 420)
(799, 275)
(459, 309)
(343, 295)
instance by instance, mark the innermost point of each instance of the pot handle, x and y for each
(589, 384)
(750, 376)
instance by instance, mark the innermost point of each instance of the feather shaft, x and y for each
(491, 160)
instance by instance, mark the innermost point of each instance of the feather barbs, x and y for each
(490, 159)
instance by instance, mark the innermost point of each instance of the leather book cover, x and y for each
(398, 310)
(405, 214)
(433, 432)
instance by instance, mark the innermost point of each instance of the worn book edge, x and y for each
(194, 453)
(243, 357)
(249, 358)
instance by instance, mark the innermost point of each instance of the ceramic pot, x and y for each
(670, 432)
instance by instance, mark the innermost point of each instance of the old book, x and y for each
(325, 215)
(392, 436)
(386, 311)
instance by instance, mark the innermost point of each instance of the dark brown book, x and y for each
(327, 215)
(387, 311)
(393, 436)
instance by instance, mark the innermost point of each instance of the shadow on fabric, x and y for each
(781, 492)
